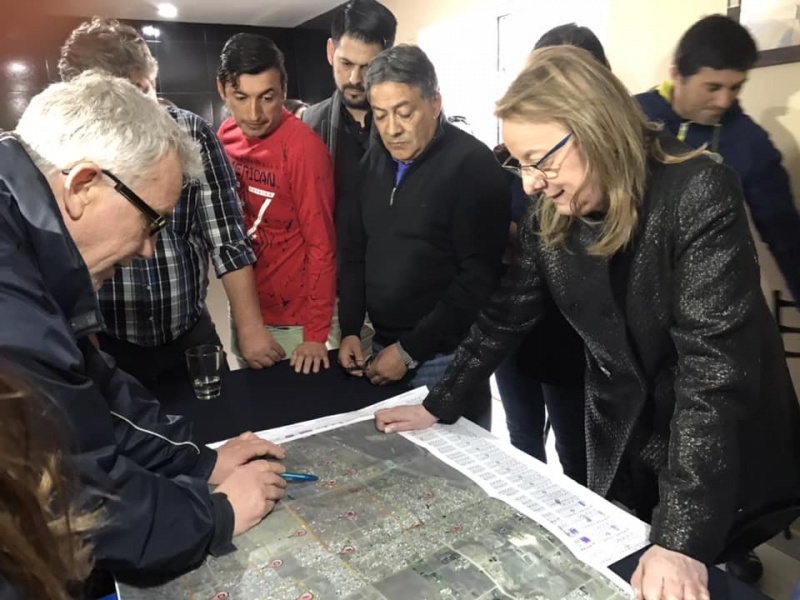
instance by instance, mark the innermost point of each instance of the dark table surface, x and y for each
(258, 400)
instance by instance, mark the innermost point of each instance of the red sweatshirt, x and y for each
(286, 185)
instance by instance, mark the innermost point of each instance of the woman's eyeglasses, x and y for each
(534, 169)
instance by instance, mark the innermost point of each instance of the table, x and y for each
(258, 400)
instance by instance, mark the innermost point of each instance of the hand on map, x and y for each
(239, 451)
(403, 418)
(351, 357)
(259, 348)
(309, 356)
(668, 575)
(387, 367)
(252, 490)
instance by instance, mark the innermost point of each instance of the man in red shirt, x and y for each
(285, 178)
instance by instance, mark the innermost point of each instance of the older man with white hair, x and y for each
(87, 181)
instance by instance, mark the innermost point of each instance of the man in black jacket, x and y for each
(423, 246)
(66, 221)
(360, 31)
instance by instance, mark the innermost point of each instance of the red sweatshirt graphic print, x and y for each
(286, 187)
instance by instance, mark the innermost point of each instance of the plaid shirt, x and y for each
(152, 302)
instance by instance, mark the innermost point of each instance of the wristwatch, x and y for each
(409, 362)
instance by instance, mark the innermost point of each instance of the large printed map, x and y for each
(387, 520)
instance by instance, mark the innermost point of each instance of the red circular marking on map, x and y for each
(348, 550)
(350, 514)
(300, 532)
(276, 564)
(428, 495)
(306, 596)
(456, 528)
(329, 484)
(220, 596)
(327, 463)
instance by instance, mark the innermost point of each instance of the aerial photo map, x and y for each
(387, 521)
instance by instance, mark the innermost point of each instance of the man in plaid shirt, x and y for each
(155, 309)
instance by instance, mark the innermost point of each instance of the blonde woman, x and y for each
(691, 418)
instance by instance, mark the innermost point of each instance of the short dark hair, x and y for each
(716, 42)
(249, 54)
(571, 34)
(403, 64)
(367, 21)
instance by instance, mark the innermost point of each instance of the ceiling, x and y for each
(273, 13)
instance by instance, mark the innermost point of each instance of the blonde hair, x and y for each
(44, 551)
(567, 85)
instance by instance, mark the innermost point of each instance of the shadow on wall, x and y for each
(774, 120)
(769, 97)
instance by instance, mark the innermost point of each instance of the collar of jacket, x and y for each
(665, 90)
(335, 124)
(61, 266)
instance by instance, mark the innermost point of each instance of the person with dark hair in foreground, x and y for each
(643, 244)
(423, 245)
(44, 552)
(286, 184)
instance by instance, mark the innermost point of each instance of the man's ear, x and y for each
(78, 185)
(331, 48)
(674, 75)
(437, 104)
(221, 90)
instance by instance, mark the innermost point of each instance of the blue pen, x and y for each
(299, 477)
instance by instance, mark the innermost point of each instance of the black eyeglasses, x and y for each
(536, 168)
(157, 222)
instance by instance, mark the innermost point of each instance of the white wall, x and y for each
(461, 39)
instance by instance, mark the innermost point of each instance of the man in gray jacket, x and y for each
(87, 182)
(360, 31)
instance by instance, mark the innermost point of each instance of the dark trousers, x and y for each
(525, 398)
(155, 365)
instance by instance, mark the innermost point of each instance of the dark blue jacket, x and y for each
(136, 463)
(747, 149)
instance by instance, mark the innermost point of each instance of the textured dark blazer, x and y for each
(691, 417)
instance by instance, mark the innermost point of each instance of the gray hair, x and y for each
(105, 120)
(403, 64)
(106, 45)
